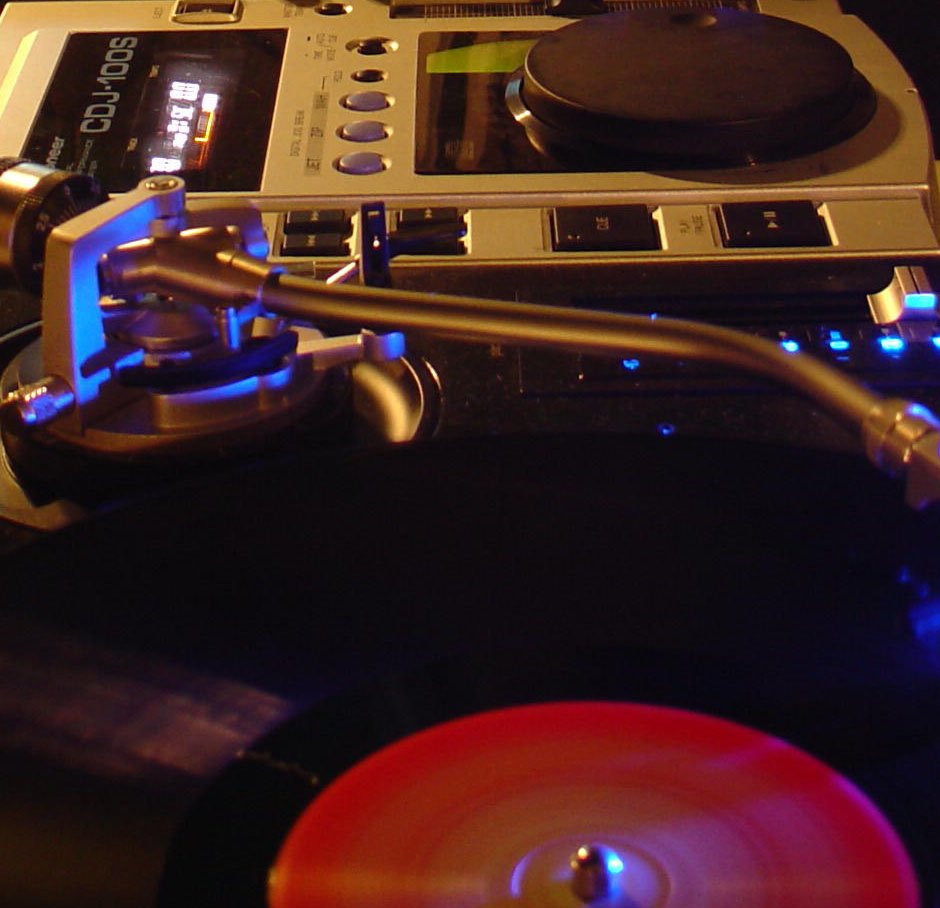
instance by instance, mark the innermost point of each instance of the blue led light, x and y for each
(666, 429)
(921, 302)
(790, 345)
(395, 344)
(631, 365)
(936, 342)
(925, 622)
(891, 344)
(614, 864)
(837, 343)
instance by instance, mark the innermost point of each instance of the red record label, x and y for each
(688, 810)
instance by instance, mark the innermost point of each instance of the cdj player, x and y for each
(530, 152)
(429, 457)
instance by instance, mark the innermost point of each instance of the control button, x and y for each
(603, 229)
(419, 217)
(207, 12)
(792, 339)
(361, 163)
(369, 75)
(313, 244)
(892, 345)
(885, 353)
(753, 225)
(429, 231)
(365, 101)
(838, 343)
(318, 220)
(372, 47)
(364, 131)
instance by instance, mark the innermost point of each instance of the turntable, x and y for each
(321, 589)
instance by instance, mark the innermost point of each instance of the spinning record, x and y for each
(607, 803)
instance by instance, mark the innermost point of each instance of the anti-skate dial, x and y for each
(34, 200)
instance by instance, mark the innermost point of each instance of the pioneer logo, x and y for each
(52, 159)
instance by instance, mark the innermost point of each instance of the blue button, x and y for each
(367, 101)
(364, 131)
(361, 163)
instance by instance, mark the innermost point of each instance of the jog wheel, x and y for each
(718, 88)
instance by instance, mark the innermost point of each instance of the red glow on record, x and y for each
(487, 810)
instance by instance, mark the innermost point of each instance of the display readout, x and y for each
(184, 133)
(200, 104)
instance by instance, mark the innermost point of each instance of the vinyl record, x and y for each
(465, 782)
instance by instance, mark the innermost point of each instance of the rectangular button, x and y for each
(611, 228)
(429, 231)
(314, 244)
(419, 217)
(757, 225)
(318, 220)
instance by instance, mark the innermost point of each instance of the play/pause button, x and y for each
(755, 225)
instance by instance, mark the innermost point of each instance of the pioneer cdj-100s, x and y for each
(522, 148)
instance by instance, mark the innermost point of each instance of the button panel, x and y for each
(882, 356)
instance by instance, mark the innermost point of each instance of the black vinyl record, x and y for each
(187, 669)
(231, 848)
(374, 594)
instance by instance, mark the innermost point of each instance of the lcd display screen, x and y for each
(198, 104)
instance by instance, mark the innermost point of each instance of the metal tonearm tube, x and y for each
(148, 241)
